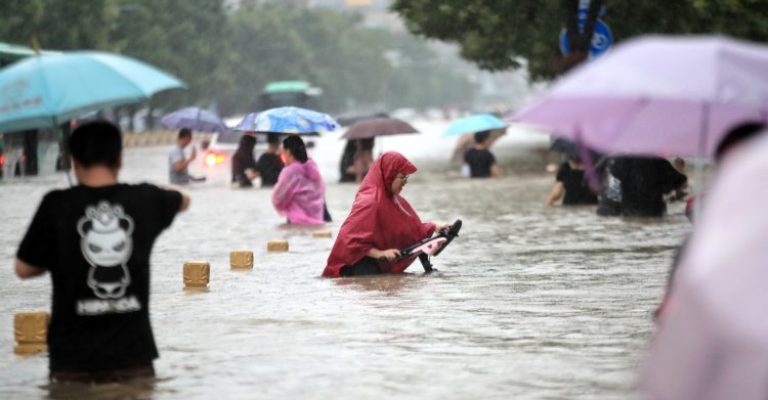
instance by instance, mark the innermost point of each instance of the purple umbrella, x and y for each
(657, 94)
(195, 119)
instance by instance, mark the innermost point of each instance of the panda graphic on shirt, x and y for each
(106, 243)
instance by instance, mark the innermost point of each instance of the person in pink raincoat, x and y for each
(299, 192)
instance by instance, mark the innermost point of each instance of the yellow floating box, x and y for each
(322, 234)
(241, 259)
(30, 348)
(279, 245)
(196, 274)
(30, 330)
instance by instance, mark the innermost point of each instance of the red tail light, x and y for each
(211, 159)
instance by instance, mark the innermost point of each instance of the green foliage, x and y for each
(496, 34)
(69, 25)
(226, 57)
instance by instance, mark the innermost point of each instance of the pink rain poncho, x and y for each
(299, 193)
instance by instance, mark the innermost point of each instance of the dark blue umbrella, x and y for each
(196, 119)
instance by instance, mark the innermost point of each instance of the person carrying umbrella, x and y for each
(358, 155)
(356, 160)
(178, 173)
(299, 194)
(270, 165)
(243, 163)
(481, 162)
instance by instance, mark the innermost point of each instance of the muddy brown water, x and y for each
(530, 302)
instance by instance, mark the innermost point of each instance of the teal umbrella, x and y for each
(474, 123)
(10, 53)
(46, 90)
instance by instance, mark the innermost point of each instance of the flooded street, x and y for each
(530, 302)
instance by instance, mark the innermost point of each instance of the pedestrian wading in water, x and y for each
(300, 191)
(95, 240)
(381, 222)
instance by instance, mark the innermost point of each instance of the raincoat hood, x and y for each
(308, 169)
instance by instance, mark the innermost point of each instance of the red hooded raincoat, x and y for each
(379, 219)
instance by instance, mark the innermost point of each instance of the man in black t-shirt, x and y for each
(95, 239)
(482, 163)
(269, 164)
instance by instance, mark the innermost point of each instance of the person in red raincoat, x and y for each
(381, 222)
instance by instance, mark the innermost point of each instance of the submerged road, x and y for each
(530, 302)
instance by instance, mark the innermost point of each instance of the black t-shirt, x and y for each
(96, 243)
(480, 162)
(269, 167)
(240, 163)
(576, 189)
(644, 181)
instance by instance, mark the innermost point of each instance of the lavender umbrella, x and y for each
(195, 119)
(658, 94)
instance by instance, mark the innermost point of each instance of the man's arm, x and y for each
(251, 174)
(558, 190)
(24, 270)
(495, 171)
(185, 200)
(184, 163)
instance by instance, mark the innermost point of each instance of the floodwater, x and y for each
(530, 302)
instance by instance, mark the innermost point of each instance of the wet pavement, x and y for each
(530, 302)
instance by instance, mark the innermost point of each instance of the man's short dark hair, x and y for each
(482, 136)
(185, 133)
(273, 138)
(96, 143)
(736, 135)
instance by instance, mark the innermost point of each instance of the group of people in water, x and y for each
(95, 240)
(619, 186)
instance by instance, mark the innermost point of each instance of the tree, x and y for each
(61, 25)
(497, 34)
(226, 56)
(185, 38)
